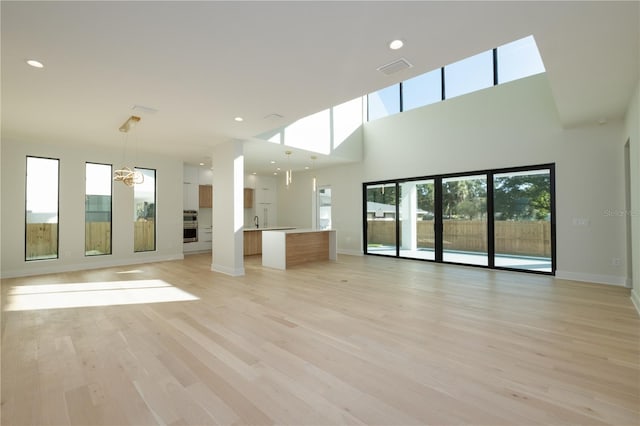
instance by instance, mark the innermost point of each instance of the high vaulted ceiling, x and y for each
(200, 64)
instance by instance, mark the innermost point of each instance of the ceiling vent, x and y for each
(395, 66)
(273, 116)
(144, 109)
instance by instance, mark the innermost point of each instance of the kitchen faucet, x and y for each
(256, 220)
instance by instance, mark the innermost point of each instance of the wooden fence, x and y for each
(97, 237)
(531, 238)
(42, 238)
(145, 236)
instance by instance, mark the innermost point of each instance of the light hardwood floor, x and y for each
(364, 340)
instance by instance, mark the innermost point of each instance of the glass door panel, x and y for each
(464, 217)
(417, 238)
(522, 214)
(324, 207)
(381, 219)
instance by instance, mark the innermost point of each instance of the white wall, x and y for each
(71, 208)
(265, 196)
(632, 131)
(514, 124)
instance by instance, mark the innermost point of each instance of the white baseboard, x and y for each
(350, 252)
(616, 280)
(234, 272)
(55, 266)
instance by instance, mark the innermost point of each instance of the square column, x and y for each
(228, 209)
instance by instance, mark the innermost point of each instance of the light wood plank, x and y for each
(362, 340)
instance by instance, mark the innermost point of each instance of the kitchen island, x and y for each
(253, 239)
(285, 248)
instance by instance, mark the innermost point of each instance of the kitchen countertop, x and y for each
(300, 230)
(271, 228)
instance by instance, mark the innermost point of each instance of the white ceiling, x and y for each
(200, 64)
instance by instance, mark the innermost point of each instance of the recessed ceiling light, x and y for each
(35, 64)
(254, 173)
(278, 169)
(239, 119)
(306, 167)
(202, 164)
(272, 162)
(275, 173)
(396, 44)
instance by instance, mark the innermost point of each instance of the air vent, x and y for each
(144, 109)
(395, 66)
(273, 116)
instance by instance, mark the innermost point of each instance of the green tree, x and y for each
(522, 197)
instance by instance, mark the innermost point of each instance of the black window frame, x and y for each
(26, 212)
(110, 212)
(155, 210)
(438, 220)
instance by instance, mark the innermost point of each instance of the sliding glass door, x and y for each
(381, 208)
(417, 231)
(522, 219)
(494, 218)
(464, 218)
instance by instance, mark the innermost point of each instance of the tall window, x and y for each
(468, 75)
(144, 202)
(422, 90)
(384, 102)
(324, 207)
(519, 59)
(41, 212)
(97, 209)
(508, 62)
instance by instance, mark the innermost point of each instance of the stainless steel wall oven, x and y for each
(190, 226)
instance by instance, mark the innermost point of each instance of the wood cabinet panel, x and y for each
(205, 196)
(252, 242)
(248, 198)
(306, 247)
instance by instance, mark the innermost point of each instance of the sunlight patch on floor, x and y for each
(80, 295)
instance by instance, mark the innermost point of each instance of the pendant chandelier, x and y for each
(127, 175)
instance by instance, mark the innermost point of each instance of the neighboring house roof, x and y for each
(372, 206)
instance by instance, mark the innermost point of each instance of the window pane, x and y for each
(144, 201)
(97, 209)
(468, 75)
(522, 212)
(519, 59)
(464, 215)
(384, 102)
(417, 237)
(381, 219)
(324, 207)
(422, 90)
(41, 213)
